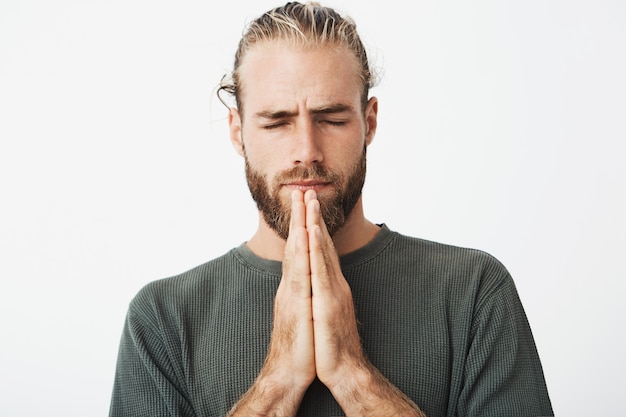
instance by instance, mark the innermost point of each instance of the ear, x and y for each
(234, 125)
(371, 119)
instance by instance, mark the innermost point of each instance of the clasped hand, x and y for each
(315, 332)
(315, 328)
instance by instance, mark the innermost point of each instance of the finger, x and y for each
(313, 216)
(320, 243)
(300, 270)
(296, 269)
(326, 277)
(319, 247)
(296, 221)
(319, 262)
(324, 262)
(297, 210)
(310, 195)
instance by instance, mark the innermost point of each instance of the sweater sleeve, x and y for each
(503, 374)
(146, 381)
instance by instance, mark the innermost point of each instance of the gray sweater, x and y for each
(442, 323)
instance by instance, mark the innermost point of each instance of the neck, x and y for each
(355, 233)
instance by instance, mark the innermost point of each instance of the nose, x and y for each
(306, 149)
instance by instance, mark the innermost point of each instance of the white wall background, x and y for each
(502, 127)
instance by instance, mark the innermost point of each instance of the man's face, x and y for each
(302, 127)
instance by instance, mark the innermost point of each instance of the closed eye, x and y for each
(334, 122)
(274, 126)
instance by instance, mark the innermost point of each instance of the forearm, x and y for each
(268, 397)
(366, 392)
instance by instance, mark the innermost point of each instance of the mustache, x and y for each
(315, 173)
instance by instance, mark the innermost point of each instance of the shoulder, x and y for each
(437, 267)
(444, 257)
(186, 288)
(470, 281)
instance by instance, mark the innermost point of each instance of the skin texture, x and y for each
(303, 109)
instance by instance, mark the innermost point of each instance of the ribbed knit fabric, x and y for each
(444, 324)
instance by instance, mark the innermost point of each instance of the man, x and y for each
(321, 312)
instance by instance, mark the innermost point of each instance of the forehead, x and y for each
(281, 74)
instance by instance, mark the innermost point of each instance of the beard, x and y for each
(335, 205)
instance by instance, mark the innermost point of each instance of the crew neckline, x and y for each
(364, 253)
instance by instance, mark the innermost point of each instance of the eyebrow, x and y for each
(325, 109)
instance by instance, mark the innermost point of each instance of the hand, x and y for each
(292, 335)
(340, 363)
(291, 351)
(289, 367)
(315, 332)
(337, 342)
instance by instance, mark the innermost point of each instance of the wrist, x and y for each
(282, 384)
(349, 379)
(281, 376)
(273, 394)
(349, 371)
(363, 390)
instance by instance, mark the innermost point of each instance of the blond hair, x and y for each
(306, 25)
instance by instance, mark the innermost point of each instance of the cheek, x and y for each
(270, 159)
(257, 157)
(345, 158)
(264, 166)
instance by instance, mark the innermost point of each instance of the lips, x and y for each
(306, 184)
(306, 178)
